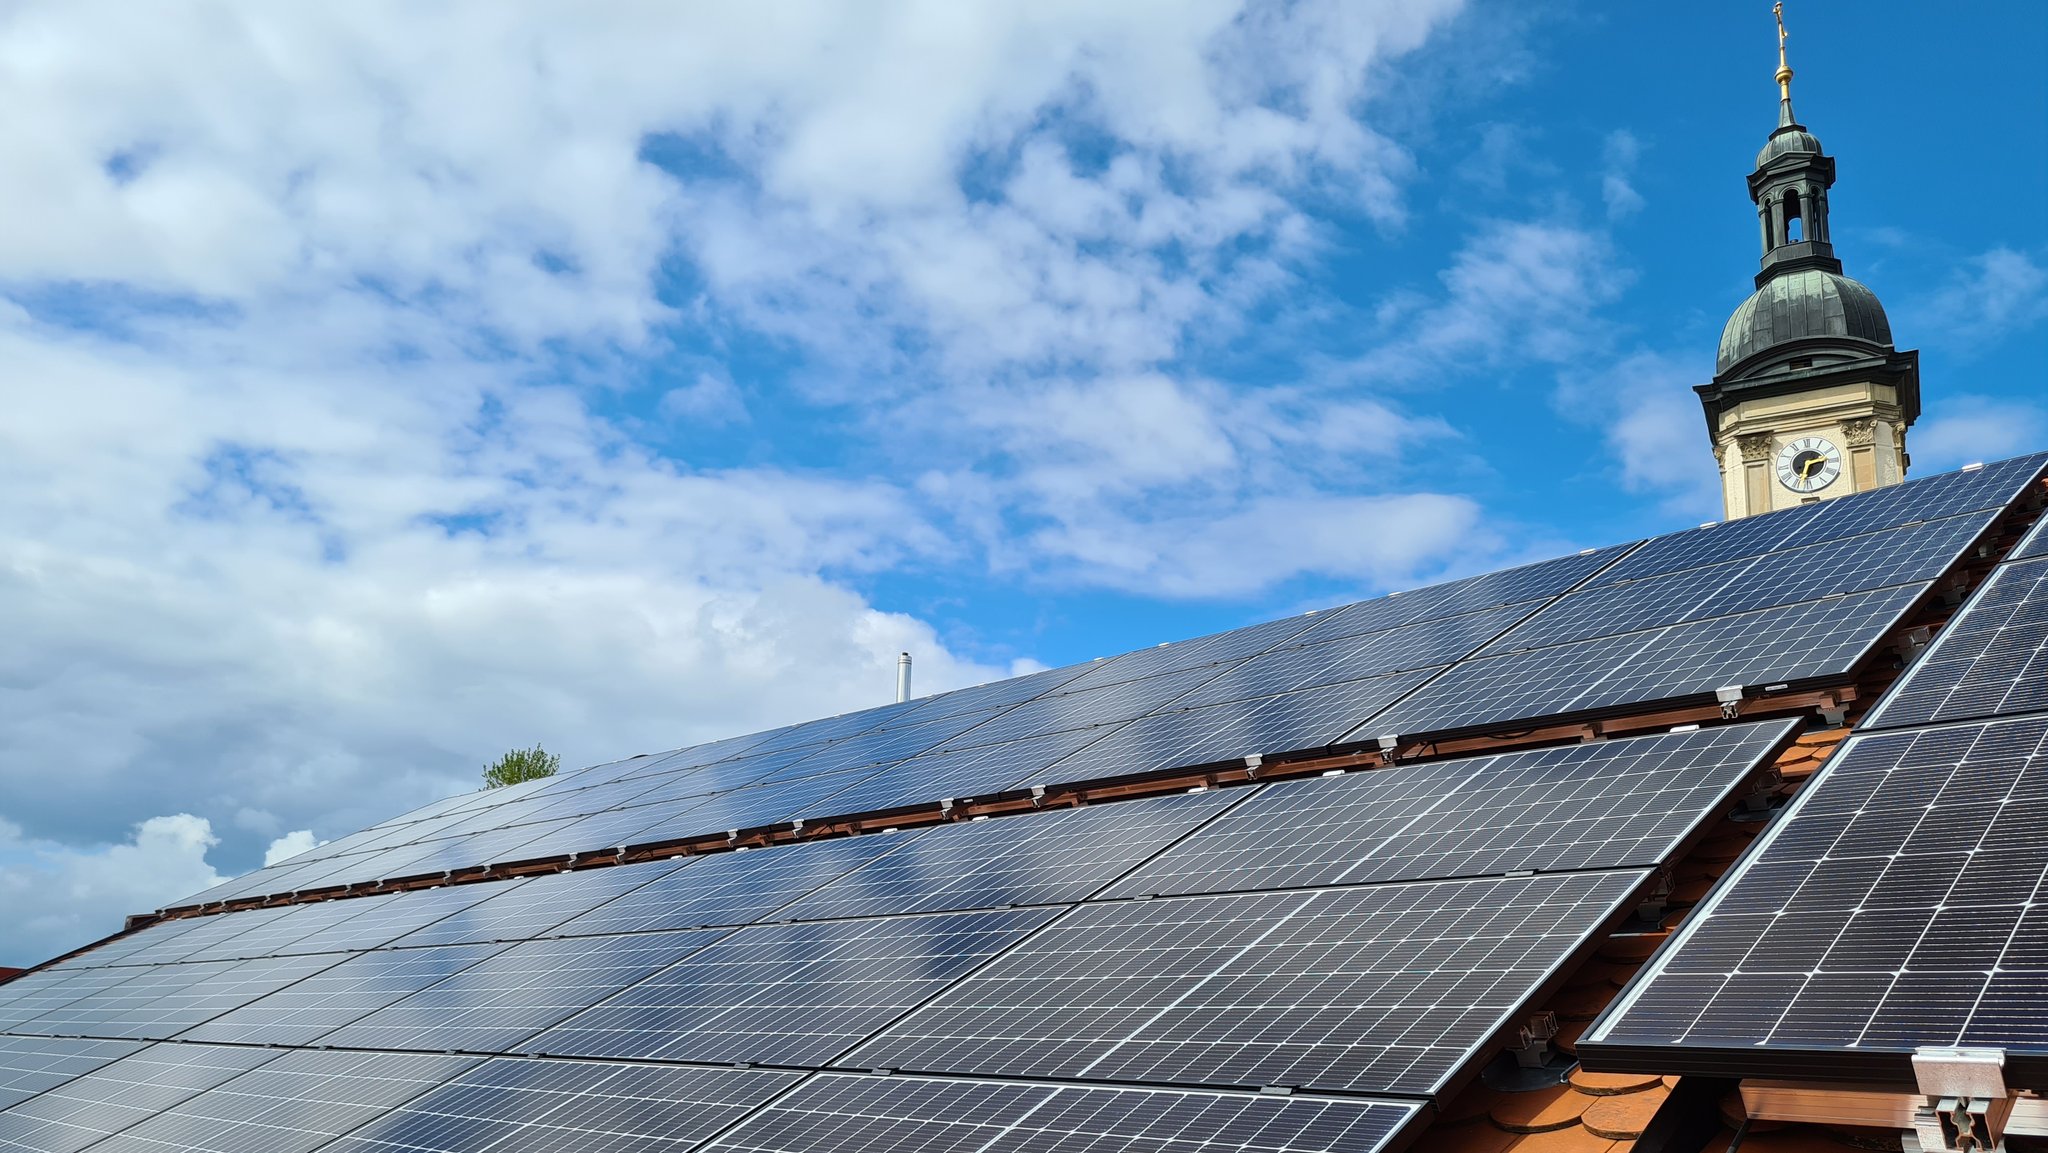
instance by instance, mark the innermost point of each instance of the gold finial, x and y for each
(1784, 69)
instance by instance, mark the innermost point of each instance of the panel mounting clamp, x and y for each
(1730, 697)
(1967, 1101)
(1390, 747)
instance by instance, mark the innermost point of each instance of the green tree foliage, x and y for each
(521, 765)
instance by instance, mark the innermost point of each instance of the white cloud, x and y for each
(1971, 429)
(291, 845)
(1991, 295)
(1652, 432)
(1517, 290)
(310, 498)
(55, 897)
(1619, 155)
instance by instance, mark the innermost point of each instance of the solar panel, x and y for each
(1380, 989)
(993, 695)
(160, 1001)
(1901, 900)
(883, 746)
(1991, 659)
(1823, 638)
(1424, 645)
(1181, 655)
(71, 1116)
(294, 1104)
(524, 1106)
(1083, 709)
(986, 770)
(1528, 583)
(2034, 544)
(535, 907)
(1302, 720)
(794, 994)
(735, 888)
(1925, 499)
(850, 1113)
(1041, 859)
(1610, 804)
(361, 983)
(493, 1005)
(32, 1065)
(28, 997)
(1919, 553)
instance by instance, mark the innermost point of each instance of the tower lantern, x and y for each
(1810, 399)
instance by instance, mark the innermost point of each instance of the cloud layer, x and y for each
(387, 388)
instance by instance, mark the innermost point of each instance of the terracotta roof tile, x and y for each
(1557, 1107)
(1622, 1116)
(1610, 1084)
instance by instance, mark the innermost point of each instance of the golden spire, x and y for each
(1784, 69)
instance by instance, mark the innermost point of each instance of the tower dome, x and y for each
(1807, 314)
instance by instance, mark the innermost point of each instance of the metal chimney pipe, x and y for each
(902, 678)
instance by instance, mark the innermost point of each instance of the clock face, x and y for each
(1809, 464)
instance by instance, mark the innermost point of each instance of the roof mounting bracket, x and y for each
(1654, 903)
(1252, 763)
(1533, 1049)
(1730, 697)
(1913, 642)
(1037, 796)
(1763, 792)
(1390, 747)
(1967, 1101)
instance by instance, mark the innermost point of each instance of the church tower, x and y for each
(1809, 399)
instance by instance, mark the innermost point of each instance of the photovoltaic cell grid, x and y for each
(850, 1113)
(1991, 659)
(508, 1105)
(1612, 804)
(1817, 639)
(1902, 900)
(1382, 989)
(71, 1116)
(1053, 858)
(795, 994)
(1916, 553)
(361, 983)
(295, 1104)
(30, 1065)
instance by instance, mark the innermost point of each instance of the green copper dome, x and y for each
(1805, 305)
(1786, 141)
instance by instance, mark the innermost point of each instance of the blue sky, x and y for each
(389, 387)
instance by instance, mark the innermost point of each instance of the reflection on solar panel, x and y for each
(848, 1113)
(1598, 806)
(789, 994)
(1384, 989)
(491, 1006)
(1901, 901)
(1991, 660)
(294, 1104)
(77, 1113)
(1054, 858)
(516, 1106)
(164, 1000)
(735, 888)
(30, 1065)
(360, 984)
(1816, 639)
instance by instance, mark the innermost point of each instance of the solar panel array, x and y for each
(1901, 901)
(1297, 965)
(1013, 979)
(1790, 597)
